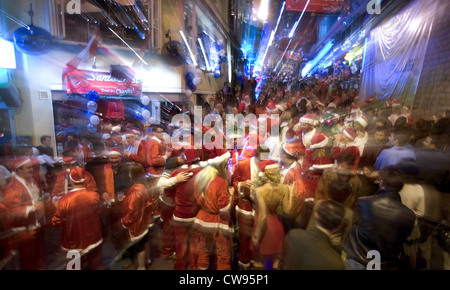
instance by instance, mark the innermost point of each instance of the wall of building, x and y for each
(433, 91)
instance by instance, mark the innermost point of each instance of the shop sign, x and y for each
(83, 81)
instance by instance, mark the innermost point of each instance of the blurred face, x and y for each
(26, 171)
(131, 139)
(344, 170)
(47, 142)
(306, 127)
(380, 136)
(115, 160)
(159, 133)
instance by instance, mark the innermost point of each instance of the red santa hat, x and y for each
(318, 141)
(362, 120)
(20, 161)
(191, 155)
(280, 108)
(308, 119)
(350, 133)
(267, 164)
(354, 108)
(68, 160)
(77, 175)
(289, 149)
(115, 151)
(290, 136)
(219, 159)
(271, 107)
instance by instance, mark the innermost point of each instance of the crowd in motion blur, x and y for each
(342, 178)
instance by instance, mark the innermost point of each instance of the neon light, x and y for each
(263, 10)
(189, 48)
(298, 21)
(364, 55)
(229, 62)
(204, 55)
(311, 64)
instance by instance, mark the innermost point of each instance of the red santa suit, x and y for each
(138, 153)
(62, 180)
(20, 197)
(245, 170)
(134, 212)
(155, 155)
(184, 212)
(351, 148)
(78, 213)
(212, 225)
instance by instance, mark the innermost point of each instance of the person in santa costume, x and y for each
(136, 150)
(78, 214)
(112, 189)
(307, 124)
(22, 198)
(135, 217)
(268, 234)
(62, 180)
(345, 143)
(156, 157)
(185, 208)
(360, 125)
(316, 161)
(244, 175)
(212, 224)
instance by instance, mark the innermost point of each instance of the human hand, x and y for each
(183, 177)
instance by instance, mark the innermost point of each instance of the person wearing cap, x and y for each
(184, 208)
(360, 125)
(308, 123)
(136, 150)
(345, 143)
(78, 213)
(317, 159)
(81, 152)
(244, 175)
(270, 196)
(62, 183)
(112, 187)
(212, 224)
(22, 198)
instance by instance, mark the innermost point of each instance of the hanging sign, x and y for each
(83, 81)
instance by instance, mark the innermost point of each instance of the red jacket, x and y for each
(156, 150)
(78, 213)
(134, 208)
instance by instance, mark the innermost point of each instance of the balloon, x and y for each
(146, 114)
(222, 52)
(93, 95)
(198, 72)
(193, 87)
(138, 115)
(95, 120)
(191, 67)
(152, 120)
(92, 106)
(189, 76)
(91, 128)
(217, 75)
(220, 42)
(197, 80)
(188, 92)
(145, 100)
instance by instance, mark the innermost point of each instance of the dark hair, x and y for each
(392, 178)
(339, 190)
(402, 136)
(330, 214)
(156, 126)
(43, 137)
(346, 158)
(261, 149)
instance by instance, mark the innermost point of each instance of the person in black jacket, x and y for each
(312, 249)
(382, 224)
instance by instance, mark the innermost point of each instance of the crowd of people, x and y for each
(342, 178)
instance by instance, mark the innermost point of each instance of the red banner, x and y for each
(83, 81)
(317, 6)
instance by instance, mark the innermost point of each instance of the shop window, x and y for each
(132, 23)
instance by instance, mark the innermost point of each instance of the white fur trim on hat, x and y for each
(287, 151)
(307, 121)
(361, 121)
(271, 166)
(348, 135)
(320, 145)
(22, 163)
(219, 159)
(114, 153)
